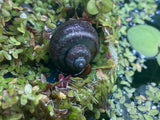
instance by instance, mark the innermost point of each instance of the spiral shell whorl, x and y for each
(73, 45)
(78, 58)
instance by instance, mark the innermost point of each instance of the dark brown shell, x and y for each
(73, 45)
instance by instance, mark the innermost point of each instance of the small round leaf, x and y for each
(15, 55)
(144, 39)
(7, 55)
(91, 7)
(23, 99)
(104, 5)
(28, 89)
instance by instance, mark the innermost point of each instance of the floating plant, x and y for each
(123, 102)
(144, 39)
(96, 6)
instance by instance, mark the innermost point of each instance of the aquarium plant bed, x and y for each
(113, 87)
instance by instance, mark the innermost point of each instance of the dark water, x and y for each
(151, 74)
(155, 22)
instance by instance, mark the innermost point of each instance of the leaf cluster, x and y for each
(128, 102)
(25, 29)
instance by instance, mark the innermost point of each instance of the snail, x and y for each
(73, 45)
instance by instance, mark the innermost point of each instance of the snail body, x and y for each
(73, 45)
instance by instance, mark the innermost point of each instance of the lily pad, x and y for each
(144, 39)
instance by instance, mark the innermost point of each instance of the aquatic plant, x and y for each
(144, 39)
(25, 29)
(25, 93)
(129, 102)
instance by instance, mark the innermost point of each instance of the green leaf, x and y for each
(142, 108)
(3, 71)
(5, 105)
(31, 97)
(73, 116)
(125, 83)
(114, 88)
(153, 112)
(148, 105)
(5, 13)
(23, 99)
(140, 116)
(38, 97)
(90, 106)
(1, 79)
(21, 38)
(71, 93)
(29, 53)
(7, 55)
(145, 39)
(104, 5)
(15, 117)
(76, 109)
(148, 117)
(81, 117)
(30, 77)
(50, 108)
(49, 24)
(3, 38)
(1, 58)
(12, 100)
(122, 100)
(79, 97)
(13, 41)
(15, 55)
(22, 28)
(129, 90)
(6, 5)
(97, 113)
(23, 69)
(91, 7)
(133, 112)
(19, 51)
(28, 89)
(158, 59)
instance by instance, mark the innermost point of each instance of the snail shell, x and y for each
(73, 45)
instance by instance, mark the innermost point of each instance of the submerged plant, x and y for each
(25, 29)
